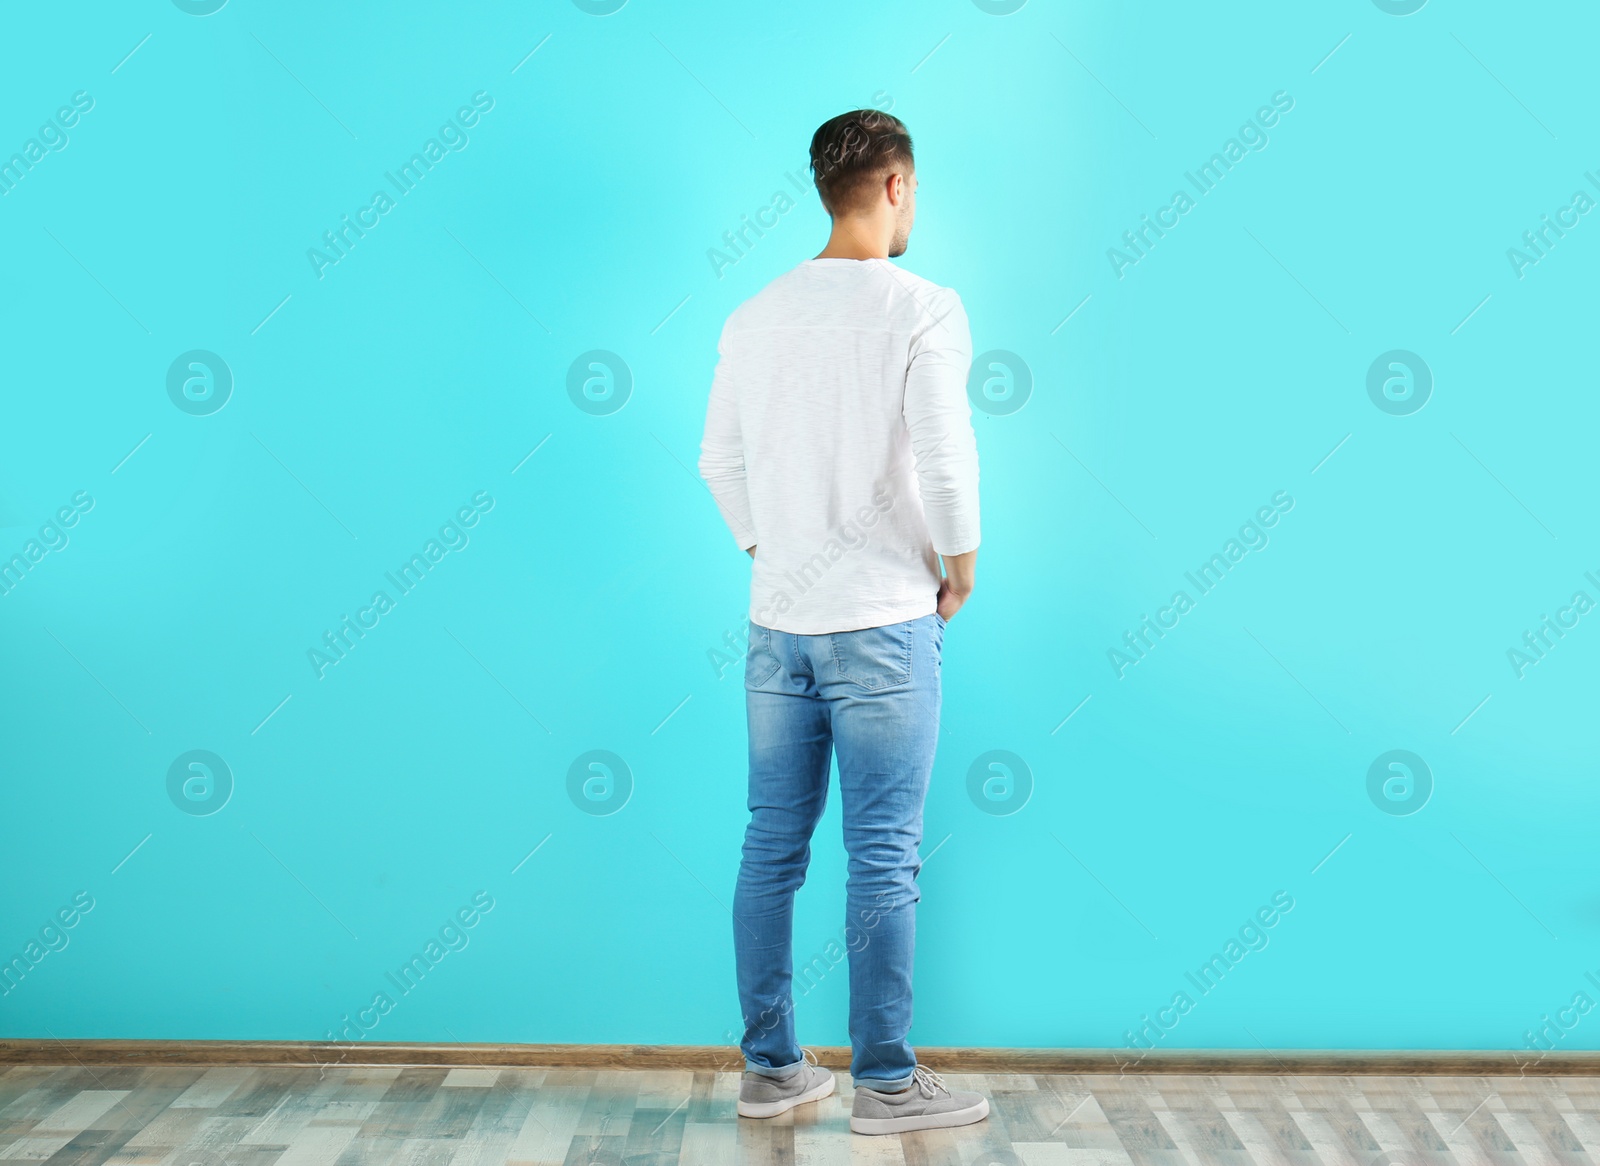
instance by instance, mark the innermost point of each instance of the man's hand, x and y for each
(960, 573)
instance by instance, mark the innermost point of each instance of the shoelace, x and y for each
(928, 1082)
(810, 1058)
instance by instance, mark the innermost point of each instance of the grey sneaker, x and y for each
(926, 1105)
(761, 1096)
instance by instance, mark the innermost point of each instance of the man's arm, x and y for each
(959, 574)
(722, 453)
(945, 449)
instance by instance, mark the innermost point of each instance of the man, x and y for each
(839, 448)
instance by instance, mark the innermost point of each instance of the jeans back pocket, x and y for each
(875, 658)
(761, 662)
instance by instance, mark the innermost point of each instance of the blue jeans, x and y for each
(871, 697)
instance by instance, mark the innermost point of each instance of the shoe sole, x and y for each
(921, 1121)
(774, 1108)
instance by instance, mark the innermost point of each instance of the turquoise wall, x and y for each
(1349, 770)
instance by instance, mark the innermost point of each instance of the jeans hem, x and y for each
(779, 1073)
(883, 1086)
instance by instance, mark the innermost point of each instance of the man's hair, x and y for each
(854, 152)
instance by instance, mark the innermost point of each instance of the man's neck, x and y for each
(855, 240)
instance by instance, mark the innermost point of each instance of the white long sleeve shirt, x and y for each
(839, 443)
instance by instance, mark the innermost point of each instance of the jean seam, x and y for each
(799, 665)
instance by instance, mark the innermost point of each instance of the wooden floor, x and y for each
(352, 1116)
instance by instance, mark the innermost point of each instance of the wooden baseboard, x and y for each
(1411, 1063)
